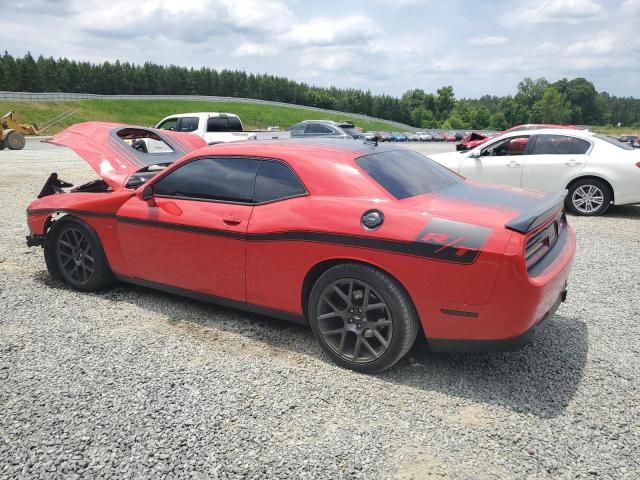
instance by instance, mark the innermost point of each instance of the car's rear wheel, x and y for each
(588, 197)
(362, 317)
(74, 255)
(2, 145)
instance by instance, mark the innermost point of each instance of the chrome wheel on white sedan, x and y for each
(589, 197)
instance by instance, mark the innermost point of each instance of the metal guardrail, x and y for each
(74, 97)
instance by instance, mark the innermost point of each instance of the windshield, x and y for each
(614, 141)
(351, 131)
(405, 173)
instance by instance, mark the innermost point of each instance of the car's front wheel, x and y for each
(362, 317)
(74, 255)
(588, 197)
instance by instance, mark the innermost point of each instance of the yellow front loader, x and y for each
(12, 133)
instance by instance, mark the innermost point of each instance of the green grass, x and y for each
(617, 131)
(149, 112)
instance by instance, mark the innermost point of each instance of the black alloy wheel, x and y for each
(362, 317)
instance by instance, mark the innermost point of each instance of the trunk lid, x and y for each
(107, 148)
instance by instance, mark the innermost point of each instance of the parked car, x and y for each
(424, 136)
(596, 170)
(325, 129)
(370, 136)
(368, 244)
(411, 137)
(448, 136)
(636, 143)
(459, 135)
(624, 138)
(436, 136)
(471, 141)
(397, 137)
(216, 127)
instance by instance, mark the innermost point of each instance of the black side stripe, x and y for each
(83, 213)
(423, 249)
(183, 228)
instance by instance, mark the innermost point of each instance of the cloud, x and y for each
(558, 11)
(193, 21)
(483, 41)
(631, 7)
(348, 30)
(601, 45)
(248, 49)
(546, 48)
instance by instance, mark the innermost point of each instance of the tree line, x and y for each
(573, 101)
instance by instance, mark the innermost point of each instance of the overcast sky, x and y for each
(385, 46)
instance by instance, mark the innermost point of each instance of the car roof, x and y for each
(326, 166)
(201, 114)
(550, 131)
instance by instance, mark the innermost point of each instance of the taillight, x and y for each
(638, 164)
(539, 243)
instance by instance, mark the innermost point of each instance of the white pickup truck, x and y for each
(217, 127)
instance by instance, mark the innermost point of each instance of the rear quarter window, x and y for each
(405, 173)
(276, 181)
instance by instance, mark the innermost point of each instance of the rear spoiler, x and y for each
(536, 216)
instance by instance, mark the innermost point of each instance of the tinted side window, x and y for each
(188, 124)
(169, 124)
(580, 146)
(404, 173)
(275, 181)
(234, 124)
(318, 128)
(507, 147)
(217, 124)
(224, 179)
(559, 145)
(298, 128)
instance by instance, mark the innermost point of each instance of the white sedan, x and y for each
(596, 170)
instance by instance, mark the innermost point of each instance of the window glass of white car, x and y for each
(559, 145)
(507, 147)
(318, 128)
(188, 124)
(216, 179)
(613, 141)
(169, 124)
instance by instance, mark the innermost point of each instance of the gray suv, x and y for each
(325, 129)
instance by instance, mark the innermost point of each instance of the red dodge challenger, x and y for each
(369, 244)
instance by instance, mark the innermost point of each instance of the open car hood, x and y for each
(106, 147)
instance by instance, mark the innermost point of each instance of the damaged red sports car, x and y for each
(369, 244)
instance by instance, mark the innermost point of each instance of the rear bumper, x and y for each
(503, 345)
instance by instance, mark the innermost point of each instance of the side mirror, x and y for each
(147, 194)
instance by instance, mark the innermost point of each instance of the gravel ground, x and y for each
(132, 383)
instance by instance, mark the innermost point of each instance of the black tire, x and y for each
(61, 257)
(589, 197)
(398, 316)
(2, 145)
(15, 141)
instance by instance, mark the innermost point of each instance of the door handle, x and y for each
(513, 163)
(572, 163)
(232, 220)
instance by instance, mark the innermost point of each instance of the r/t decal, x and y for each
(453, 241)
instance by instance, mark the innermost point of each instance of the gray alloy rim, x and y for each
(75, 256)
(587, 198)
(354, 320)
